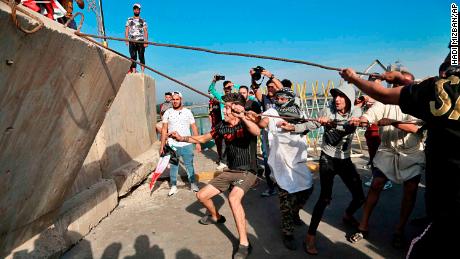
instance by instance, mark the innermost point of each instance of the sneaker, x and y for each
(221, 166)
(289, 242)
(243, 251)
(387, 185)
(194, 187)
(172, 191)
(269, 193)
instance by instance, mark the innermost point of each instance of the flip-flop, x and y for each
(208, 220)
(358, 236)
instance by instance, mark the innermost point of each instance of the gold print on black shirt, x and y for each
(445, 99)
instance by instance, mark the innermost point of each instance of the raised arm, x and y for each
(278, 84)
(251, 126)
(212, 90)
(375, 89)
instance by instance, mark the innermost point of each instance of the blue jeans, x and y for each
(186, 153)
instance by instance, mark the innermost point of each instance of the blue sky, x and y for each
(335, 33)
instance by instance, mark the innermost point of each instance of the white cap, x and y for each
(177, 93)
(137, 5)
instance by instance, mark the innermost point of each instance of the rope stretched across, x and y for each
(150, 68)
(300, 120)
(219, 52)
(14, 7)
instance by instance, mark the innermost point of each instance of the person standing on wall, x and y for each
(136, 29)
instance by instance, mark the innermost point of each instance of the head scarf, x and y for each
(290, 108)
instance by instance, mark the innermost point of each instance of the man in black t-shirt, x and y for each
(251, 105)
(435, 100)
(240, 136)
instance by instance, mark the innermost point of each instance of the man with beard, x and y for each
(180, 119)
(163, 108)
(136, 29)
(240, 135)
(251, 104)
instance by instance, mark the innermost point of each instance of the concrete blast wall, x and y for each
(127, 133)
(121, 157)
(54, 95)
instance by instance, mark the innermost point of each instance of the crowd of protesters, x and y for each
(397, 120)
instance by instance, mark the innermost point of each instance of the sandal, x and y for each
(358, 236)
(398, 241)
(207, 220)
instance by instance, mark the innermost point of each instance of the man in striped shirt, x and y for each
(240, 136)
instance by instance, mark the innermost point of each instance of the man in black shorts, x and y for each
(240, 136)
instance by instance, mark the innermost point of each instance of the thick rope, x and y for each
(149, 68)
(219, 52)
(14, 7)
(300, 120)
(342, 122)
(73, 18)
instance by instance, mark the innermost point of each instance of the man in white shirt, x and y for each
(180, 119)
(399, 158)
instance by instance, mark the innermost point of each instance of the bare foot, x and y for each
(310, 245)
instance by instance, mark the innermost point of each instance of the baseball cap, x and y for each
(137, 5)
(177, 93)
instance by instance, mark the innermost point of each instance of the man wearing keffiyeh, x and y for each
(287, 159)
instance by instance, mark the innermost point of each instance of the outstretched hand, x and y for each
(325, 121)
(357, 122)
(285, 126)
(385, 122)
(252, 116)
(348, 74)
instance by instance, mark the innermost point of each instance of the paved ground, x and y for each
(152, 225)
